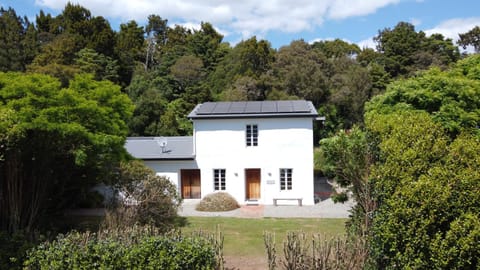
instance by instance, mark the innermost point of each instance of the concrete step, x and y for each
(251, 202)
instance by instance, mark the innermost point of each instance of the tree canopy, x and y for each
(414, 170)
(427, 175)
(406, 118)
(183, 66)
(56, 143)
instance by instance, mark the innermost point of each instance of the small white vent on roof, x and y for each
(162, 142)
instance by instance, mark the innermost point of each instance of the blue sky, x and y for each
(281, 21)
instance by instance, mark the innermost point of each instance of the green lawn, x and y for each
(244, 236)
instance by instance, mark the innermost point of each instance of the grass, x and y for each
(244, 236)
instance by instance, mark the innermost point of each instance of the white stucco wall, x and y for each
(282, 143)
(171, 168)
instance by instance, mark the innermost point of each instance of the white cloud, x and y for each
(367, 43)
(451, 28)
(341, 9)
(415, 21)
(246, 18)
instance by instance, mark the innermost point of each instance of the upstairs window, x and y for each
(219, 179)
(252, 135)
(285, 179)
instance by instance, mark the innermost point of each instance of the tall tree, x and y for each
(427, 181)
(56, 143)
(101, 66)
(205, 43)
(129, 49)
(187, 70)
(398, 45)
(350, 87)
(57, 58)
(301, 71)
(336, 48)
(256, 57)
(17, 41)
(249, 58)
(101, 37)
(470, 38)
(156, 31)
(405, 51)
(148, 94)
(45, 27)
(435, 50)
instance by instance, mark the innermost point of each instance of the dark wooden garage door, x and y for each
(191, 184)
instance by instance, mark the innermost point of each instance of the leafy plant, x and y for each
(134, 248)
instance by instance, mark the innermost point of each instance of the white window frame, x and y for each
(251, 135)
(219, 179)
(286, 179)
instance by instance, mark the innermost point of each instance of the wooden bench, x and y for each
(299, 200)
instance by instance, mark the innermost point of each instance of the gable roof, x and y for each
(254, 109)
(156, 148)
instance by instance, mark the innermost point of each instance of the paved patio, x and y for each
(324, 209)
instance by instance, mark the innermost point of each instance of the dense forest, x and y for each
(166, 70)
(401, 130)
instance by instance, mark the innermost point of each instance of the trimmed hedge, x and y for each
(114, 251)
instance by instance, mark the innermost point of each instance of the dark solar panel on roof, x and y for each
(253, 108)
(237, 107)
(269, 107)
(206, 108)
(300, 106)
(221, 108)
(284, 106)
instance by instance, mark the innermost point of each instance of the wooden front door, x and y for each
(252, 182)
(191, 184)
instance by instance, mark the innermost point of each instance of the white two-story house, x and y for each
(257, 151)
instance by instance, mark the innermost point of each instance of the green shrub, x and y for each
(127, 249)
(150, 199)
(217, 202)
(460, 247)
(13, 249)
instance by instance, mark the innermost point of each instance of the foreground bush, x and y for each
(129, 249)
(147, 199)
(217, 202)
(13, 249)
(317, 252)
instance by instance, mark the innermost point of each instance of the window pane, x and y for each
(251, 134)
(219, 179)
(285, 179)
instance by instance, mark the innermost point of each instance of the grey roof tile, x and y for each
(160, 147)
